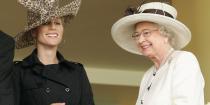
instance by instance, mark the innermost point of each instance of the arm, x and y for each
(6, 64)
(86, 95)
(187, 83)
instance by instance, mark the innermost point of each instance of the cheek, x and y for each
(61, 30)
(40, 33)
(41, 29)
(158, 44)
(40, 37)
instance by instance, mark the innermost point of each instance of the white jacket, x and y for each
(178, 82)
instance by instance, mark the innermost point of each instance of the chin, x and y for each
(52, 44)
(146, 52)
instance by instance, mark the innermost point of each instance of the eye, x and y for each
(146, 33)
(135, 35)
(58, 23)
(47, 23)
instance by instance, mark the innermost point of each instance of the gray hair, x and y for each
(167, 33)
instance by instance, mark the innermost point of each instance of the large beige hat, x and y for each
(40, 12)
(156, 12)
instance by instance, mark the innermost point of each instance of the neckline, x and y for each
(166, 59)
(148, 85)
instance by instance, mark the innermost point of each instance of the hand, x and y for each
(58, 104)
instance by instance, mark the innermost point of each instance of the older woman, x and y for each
(154, 32)
(45, 77)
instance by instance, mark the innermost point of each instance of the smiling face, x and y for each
(149, 39)
(50, 34)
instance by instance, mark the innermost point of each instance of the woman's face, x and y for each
(149, 39)
(50, 34)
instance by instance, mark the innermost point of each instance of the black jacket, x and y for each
(6, 62)
(38, 84)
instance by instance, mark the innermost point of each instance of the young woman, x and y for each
(45, 77)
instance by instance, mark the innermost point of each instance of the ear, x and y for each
(34, 33)
(166, 39)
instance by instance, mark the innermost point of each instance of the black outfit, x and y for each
(6, 62)
(38, 84)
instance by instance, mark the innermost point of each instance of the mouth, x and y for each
(52, 35)
(145, 46)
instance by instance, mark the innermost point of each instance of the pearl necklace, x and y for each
(146, 90)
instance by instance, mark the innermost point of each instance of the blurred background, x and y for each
(114, 73)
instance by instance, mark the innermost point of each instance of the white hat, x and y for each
(156, 12)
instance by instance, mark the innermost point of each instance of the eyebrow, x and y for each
(142, 30)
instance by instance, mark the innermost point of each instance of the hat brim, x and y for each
(68, 12)
(122, 30)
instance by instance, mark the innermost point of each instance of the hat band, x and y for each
(158, 11)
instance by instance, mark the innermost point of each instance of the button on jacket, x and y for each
(38, 84)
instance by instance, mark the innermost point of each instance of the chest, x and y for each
(43, 86)
(160, 87)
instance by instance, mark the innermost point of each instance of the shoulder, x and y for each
(17, 63)
(76, 67)
(73, 65)
(186, 63)
(183, 56)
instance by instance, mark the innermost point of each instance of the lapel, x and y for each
(61, 75)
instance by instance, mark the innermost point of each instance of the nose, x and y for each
(52, 25)
(141, 39)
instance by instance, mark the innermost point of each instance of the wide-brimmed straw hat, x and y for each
(40, 12)
(156, 12)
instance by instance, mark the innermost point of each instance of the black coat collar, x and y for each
(32, 59)
(37, 67)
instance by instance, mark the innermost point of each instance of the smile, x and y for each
(145, 46)
(52, 34)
